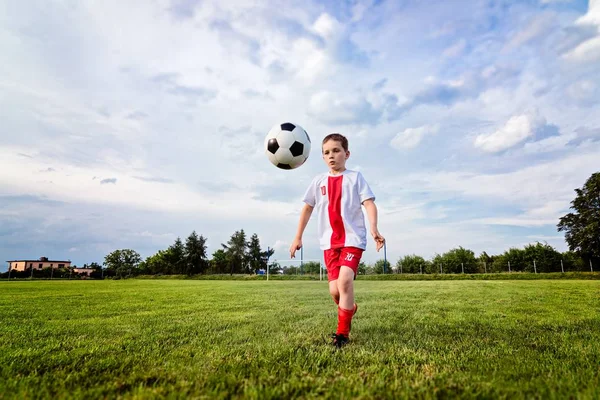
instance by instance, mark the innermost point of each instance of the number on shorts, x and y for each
(349, 257)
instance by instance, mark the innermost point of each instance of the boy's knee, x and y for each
(345, 283)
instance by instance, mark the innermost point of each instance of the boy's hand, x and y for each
(296, 245)
(379, 240)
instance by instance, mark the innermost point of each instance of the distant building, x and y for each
(82, 271)
(41, 263)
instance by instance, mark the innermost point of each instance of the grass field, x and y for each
(224, 339)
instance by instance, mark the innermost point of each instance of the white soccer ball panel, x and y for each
(284, 156)
(274, 131)
(299, 134)
(298, 161)
(286, 139)
(306, 150)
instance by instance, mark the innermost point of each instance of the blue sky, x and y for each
(128, 125)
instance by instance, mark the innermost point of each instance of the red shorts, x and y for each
(346, 256)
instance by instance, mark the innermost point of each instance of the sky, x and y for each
(129, 124)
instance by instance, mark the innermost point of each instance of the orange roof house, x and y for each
(41, 263)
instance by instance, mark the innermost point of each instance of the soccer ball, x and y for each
(287, 145)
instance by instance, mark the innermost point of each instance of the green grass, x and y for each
(224, 339)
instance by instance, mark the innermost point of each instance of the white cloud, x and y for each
(327, 26)
(592, 17)
(515, 130)
(553, 143)
(456, 49)
(346, 108)
(536, 27)
(583, 90)
(360, 8)
(411, 137)
(589, 50)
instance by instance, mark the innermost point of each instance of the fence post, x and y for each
(485, 266)
(441, 269)
(591, 266)
(562, 267)
(421, 268)
(463, 267)
(384, 256)
(509, 266)
(534, 267)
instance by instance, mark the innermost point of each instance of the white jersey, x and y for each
(338, 201)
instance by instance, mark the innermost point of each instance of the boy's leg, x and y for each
(346, 307)
(345, 286)
(332, 265)
(350, 257)
(334, 292)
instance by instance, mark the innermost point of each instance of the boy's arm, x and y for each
(304, 218)
(372, 215)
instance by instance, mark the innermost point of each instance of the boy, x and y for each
(338, 195)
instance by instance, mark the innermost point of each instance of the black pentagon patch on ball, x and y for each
(288, 127)
(272, 145)
(284, 166)
(297, 149)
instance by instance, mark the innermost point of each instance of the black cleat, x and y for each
(339, 340)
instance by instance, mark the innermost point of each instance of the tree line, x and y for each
(239, 255)
(247, 257)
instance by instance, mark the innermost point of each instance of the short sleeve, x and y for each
(364, 191)
(310, 194)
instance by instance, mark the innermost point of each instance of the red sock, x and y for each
(344, 321)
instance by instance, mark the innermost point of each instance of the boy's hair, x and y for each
(338, 137)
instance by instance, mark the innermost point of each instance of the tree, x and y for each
(546, 258)
(218, 263)
(123, 262)
(257, 259)
(486, 262)
(378, 268)
(159, 263)
(311, 267)
(362, 268)
(514, 256)
(582, 226)
(455, 260)
(195, 254)
(573, 262)
(410, 264)
(235, 249)
(176, 257)
(437, 265)
(96, 270)
(291, 270)
(274, 268)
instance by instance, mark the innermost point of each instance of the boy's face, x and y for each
(335, 156)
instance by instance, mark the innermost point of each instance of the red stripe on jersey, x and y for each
(338, 237)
